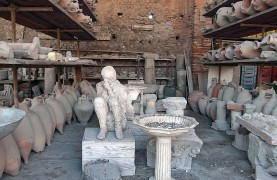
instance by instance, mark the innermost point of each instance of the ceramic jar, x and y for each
(247, 8)
(66, 104)
(202, 104)
(211, 55)
(237, 52)
(229, 52)
(208, 109)
(224, 16)
(228, 94)
(213, 109)
(193, 100)
(24, 138)
(248, 51)
(83, 109)
(236, 12)
(219, 55)
(243, 97)
(221, 92)
(259, 5)
(263, 45)
(69, 97)
(270, 3)
(260, 101)
(270, 105)
(211, 88)
(44, 116)
(58, 112)
(216, 90)
(272, 41)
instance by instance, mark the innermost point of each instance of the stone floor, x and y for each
(218, 159)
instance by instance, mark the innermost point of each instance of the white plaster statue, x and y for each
(110, 104)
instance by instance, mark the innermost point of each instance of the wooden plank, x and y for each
(15, 87)
(269, 138)
(189, 72)
(256, 61)
(77, 74)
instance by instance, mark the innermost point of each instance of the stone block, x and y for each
(111, 148)
(140, 136)
(184, 148)
(260, 153)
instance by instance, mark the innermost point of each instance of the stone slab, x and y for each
(111, 148)
(269, 138)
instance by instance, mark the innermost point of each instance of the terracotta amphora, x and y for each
(24, 138)
(12, 155)
(247, 8)
(229, 52)
(248, 51)
(259, 5)
(202, 104)
(236, 12)
(243, 97)
(211, 88)
(260, 101)
(83, 109)
(193, 100)
(272, 41)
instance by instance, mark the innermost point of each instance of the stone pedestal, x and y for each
(184, 148)
(140, 136)
(111, 148)
(241, 141)
(175, 105)
(261, 153)
(220, 123)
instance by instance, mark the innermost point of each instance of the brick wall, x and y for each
(200, 44)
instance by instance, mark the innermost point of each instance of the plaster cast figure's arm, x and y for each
(101, 91)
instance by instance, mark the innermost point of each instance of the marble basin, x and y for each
(10, 118)
(165, 124)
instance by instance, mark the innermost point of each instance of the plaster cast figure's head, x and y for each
(108, 73)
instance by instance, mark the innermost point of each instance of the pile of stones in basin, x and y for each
(45, 114)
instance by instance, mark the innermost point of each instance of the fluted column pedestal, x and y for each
(163, 159)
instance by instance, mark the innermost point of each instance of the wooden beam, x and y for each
(13, 21)
(259, 25)
(61, 30)
(10, 8)
(15, 87)
(77, 74)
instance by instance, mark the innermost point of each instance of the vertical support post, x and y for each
(13, 21)
(15, 86)
(58, 69)
(261, 75)
(77, 74)
(78, 49)
(29, 82)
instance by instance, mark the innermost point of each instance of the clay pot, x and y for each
(53, 117)
(224, 16)
(211, 55)
(202, 104)
(213, 109)
(270, 3)
(247, 8)
(237, 52)
(218, 55)
(272, 41)
(221, 110)
(221, 92)
(236, 12)
(270, 105)
(237, 91)
(243, 97)
(87, 89)
(260, 101)
(211, 88)
(208, 109)
(216, 90)
(76, 87)
(228, 94)
(24, 138)
(259, 5)
(58, 111)
(69, 97)
(2, 160)
(83, 109)
(193, 100)
(263, 46)
(45, 118)
(67, 106)
(69, 5)
(12, 155)
(229, 52)
(248, 51)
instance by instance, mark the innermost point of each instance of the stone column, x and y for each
(49, 80)
(249, 108)
(149, 67)
(234, 124)
(163, 159)
(220, 123)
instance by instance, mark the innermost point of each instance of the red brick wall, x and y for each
(200, 44)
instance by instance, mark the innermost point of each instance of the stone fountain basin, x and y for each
(10, 118)
(166, 125)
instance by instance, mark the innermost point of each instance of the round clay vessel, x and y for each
(211, 88)
(247, 8)
(2, 159)
(83, 109)
(69, 97)
(272, 40)
(219, 55)
(243, 97)
(260, 101)
(223, 16)
(248, 51)
(236, 12)
(211, 55)
(229, 52)
(221, 92)
(208, 109)
(193, 100)
(259, 5)
(228, 94)
(270, 3)
(216, 90)
(213, 109)
(237, 91)
(202, 104)
(237, 52)
(67, 106)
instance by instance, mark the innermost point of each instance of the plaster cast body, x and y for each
(110, 104)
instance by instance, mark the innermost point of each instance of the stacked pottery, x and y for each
(221, 92)
(45, 118)
(211, 88)
(247, 50)
(229, 52)
(260, 101)
(237, 53)
(220, 54)
(270, 3)
(224, 16)
(247, 8)
(259, 5)
(270, 105)
(263, 45)
(69, 97)
(202, 104)
(243, 97)
(272, 41)
(52, 115)
(228, 94)
(193, 100)
(211, 55)
(83, 109)
(236, 12)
